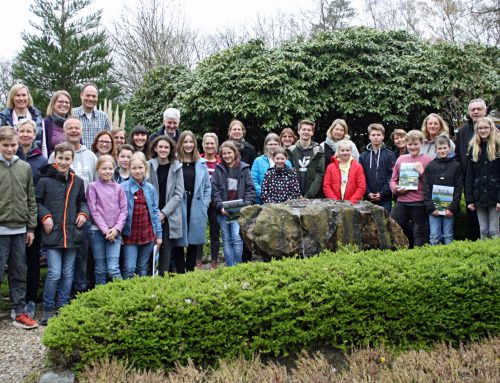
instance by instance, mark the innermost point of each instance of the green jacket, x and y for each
(17, 195)
(315, 168)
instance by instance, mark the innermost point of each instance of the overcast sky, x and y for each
(208, 15)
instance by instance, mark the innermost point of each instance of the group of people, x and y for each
(71, 184)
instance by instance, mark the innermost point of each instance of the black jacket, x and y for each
(445, 172)
(482, 180)
(377, 167)
(63, 200)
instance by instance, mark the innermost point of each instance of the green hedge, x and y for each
(407, 298)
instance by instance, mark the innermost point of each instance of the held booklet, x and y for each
(442, 197)
(233, 208)
(408, 177)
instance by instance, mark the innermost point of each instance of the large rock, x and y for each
(307, 227)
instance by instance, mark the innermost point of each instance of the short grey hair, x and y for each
(479, 101)
(172, 113)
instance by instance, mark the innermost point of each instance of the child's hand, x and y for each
(435, 213)
(498, 206)
(418, 167)
(48, 225)
(472, 207)
(80, 221)
(448, 213)
(224, 213)
(111, 235)
(162, 217)
(401, 190)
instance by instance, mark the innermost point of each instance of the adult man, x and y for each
(84, 166)
(308, 159)
(477, 109)
(170, 127)
(93, 120)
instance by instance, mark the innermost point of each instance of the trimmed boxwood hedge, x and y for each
(406, 298)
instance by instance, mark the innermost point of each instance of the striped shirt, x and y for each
(91, 126)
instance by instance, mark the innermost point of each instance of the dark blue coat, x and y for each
(36, 115)
(36, 160)
(377, 167)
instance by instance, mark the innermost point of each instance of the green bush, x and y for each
(406, 298)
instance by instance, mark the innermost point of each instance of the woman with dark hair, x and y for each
(19, 107)
(139, 139)
(58, 111)
(236, 133)
(197, 195)
(104, 144)
(167, 178)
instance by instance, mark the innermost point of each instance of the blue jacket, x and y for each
(195, 232)
(259, 169)
(377, 167)
(131, 186)
(36, 160)
(36, 115)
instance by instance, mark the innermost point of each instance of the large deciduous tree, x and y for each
(67, 50)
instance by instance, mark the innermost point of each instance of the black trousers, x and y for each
(414, 216)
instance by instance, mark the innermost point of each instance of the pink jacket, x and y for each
(107, 204)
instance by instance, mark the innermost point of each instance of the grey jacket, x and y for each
(174, 195)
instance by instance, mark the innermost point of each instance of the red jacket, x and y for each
(356, 183)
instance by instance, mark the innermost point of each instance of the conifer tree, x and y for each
(67, 50)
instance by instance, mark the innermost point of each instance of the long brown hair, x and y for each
(180, 150)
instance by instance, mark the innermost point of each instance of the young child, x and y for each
(280, 182)
(17, 222)
(143, 227)
(377, 162)
(344, 177)
(108, 208)
(440, 175)
(410, 204)
(62, 209)
(482, 178)
(122, 171)
(231, 181)
(398, 137)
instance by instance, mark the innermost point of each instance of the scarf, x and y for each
(58, 119)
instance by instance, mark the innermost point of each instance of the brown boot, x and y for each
(213, 265)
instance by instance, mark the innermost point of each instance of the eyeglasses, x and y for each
(104, 142)
(63, 102)
(483, 128)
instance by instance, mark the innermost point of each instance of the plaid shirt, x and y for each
(92, 126)
(141, 231)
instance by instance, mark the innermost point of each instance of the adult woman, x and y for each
(210, 146)
(344, 177)
(104, 144)
(167, 178)
(194, 203)
(288, 137)
(139, 139)
(32, 155)
(264, 162)
(119, 135)
(434, 126)
(20, 106)
(58, 111)
(236, 133)
(336, 132)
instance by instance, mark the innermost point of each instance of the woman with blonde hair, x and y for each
(19, 107)
(337, 132)
(482, 193)
(434, 126)
(58, 110)
(236, 133)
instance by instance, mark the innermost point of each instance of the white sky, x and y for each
(208, 15)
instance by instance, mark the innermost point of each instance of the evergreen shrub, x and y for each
(405, 298)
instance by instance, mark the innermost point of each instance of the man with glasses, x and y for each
(93, 120)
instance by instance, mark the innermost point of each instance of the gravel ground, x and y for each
(21, 351)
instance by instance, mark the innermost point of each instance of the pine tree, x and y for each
(66, 51)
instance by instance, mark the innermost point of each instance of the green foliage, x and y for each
(66, 52)
(360, 74)
(407, 298)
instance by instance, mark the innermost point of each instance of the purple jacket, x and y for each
(107, 204)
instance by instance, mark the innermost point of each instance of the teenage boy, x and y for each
(17, 222)
(377, 162)
(407, 184)
(308, 159)
(62, 209)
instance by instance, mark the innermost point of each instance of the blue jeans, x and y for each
(441, 229)
(106, 257)
(61, 266)
(136, 257)
(232, 244)
(82, 255)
